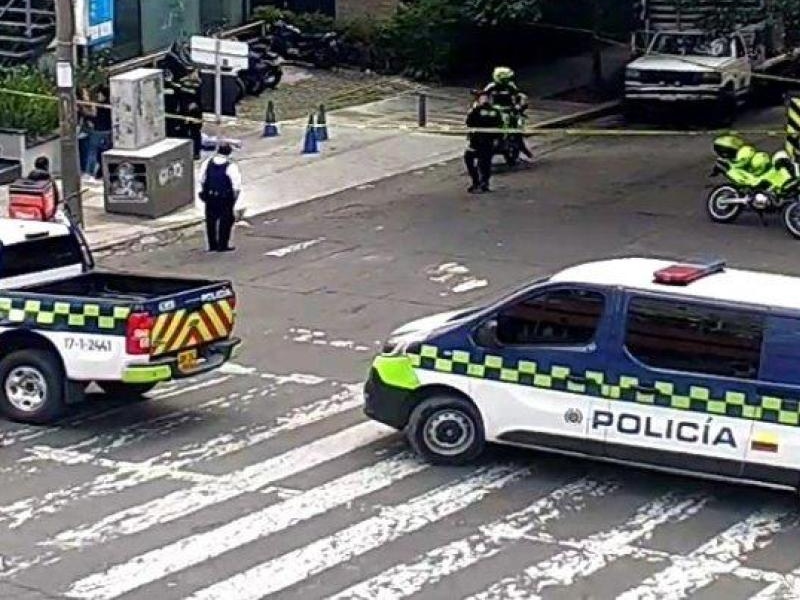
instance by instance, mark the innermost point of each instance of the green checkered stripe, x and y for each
(735, 404)
(59, 316)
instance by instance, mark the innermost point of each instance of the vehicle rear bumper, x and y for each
(214, 356)
(385, 403)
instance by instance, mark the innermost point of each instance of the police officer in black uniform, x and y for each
(221, 184)
(480, 150)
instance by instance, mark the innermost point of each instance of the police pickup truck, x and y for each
(687, 367)
(65, 325)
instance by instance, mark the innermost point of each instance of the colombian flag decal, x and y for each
(764, 442)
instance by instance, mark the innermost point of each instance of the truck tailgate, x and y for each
(191, 319)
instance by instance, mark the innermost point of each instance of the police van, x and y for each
(682, 366)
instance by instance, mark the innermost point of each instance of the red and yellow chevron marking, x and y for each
(182, 329)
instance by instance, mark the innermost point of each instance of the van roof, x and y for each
(729, 285)
(15, 231)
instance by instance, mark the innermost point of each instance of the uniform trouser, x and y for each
(479, 164)
(219, 224)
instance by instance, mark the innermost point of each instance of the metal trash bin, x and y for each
(149, 182)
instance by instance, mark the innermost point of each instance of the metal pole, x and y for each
(422, 110)
(67, 108)
(218, 89)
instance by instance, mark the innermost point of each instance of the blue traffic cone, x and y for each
(270, 125)
(310, 145)
(322, 125)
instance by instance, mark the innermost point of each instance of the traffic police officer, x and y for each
(479, 153)
(220, 186)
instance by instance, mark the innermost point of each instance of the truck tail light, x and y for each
(137, 335)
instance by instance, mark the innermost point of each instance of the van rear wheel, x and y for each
(446, 430)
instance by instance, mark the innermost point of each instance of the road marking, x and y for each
(456, 275)
(405, 580)
(231, 368)
(788, 589)
(391, 524)
(154, 565)
(302, 335)
(469, 285)
(253, 478)
(720, 555)
(171, 461)
(595, 552)
(293, 248)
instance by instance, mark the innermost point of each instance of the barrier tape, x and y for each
(535, 129)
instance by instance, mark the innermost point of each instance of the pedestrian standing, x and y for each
(100, 134)
(480, 151)
(220, 187)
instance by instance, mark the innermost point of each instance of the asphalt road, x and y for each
(266, 479)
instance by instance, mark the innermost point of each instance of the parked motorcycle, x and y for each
(509, 145)
(319, 49)
(263, 72)
(755, 181)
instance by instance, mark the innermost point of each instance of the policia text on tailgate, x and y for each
(65, 325)
(690, 367)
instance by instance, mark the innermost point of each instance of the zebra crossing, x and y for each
(273, 485)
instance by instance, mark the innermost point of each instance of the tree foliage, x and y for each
(493, 13)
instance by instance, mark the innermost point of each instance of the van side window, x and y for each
(701, 339)
(556, 318)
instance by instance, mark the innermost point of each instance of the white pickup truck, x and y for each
(65, 325)
(691, 67)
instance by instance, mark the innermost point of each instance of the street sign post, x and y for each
(221, 54)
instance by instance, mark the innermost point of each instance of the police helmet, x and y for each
(760, 163)
(502, 75)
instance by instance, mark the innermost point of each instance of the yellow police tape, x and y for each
(536, 129)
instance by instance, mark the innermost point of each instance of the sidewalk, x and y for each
(365, 146)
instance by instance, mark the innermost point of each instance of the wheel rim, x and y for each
(26, 389)
(449, 432)
(718, 203)
(793, 219)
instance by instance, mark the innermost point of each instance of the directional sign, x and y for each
(232, 55)
(100, 20)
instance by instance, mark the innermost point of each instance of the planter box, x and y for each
(15, 146)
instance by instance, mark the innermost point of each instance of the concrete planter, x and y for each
(16, 146)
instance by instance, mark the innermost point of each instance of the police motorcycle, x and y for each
(320, 49)
(755, 181)
(513, 105)
(264, 70)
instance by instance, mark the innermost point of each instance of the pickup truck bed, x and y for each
(118, 286)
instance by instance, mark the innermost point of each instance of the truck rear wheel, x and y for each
(446, 430)
(32, 386)
(118, 390)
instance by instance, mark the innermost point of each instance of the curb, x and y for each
(560, 121)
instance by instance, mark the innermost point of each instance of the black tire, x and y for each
(718, 212)
(512, 154)
(791, 219)
(455, 417)
(32, 386)
(117, 390)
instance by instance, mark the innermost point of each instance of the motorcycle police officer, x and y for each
(506, 96)
(480, 150)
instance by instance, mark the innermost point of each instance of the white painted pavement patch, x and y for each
(595, 552)
(253, 478)
(391, 524)
(199, 548)
(788, 588)
(294, 248)
(457, 276)
(407, 579)
(720, 555)
(303, 335)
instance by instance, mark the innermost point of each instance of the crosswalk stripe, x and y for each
(721, 554)
(196, 549)
(24, 510)
(786, 589)
(356, 540)
(184, 502)
(404, 580)
(595, 552)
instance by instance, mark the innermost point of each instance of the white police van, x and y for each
(688, 367)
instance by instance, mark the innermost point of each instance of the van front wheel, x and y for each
(446, 430)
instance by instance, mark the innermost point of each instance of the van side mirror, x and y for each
(486, 334)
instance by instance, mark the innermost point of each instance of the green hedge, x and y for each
(36, 116)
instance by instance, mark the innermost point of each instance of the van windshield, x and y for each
(692, 44)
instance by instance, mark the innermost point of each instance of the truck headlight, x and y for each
(712, 77)
(633, 74)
